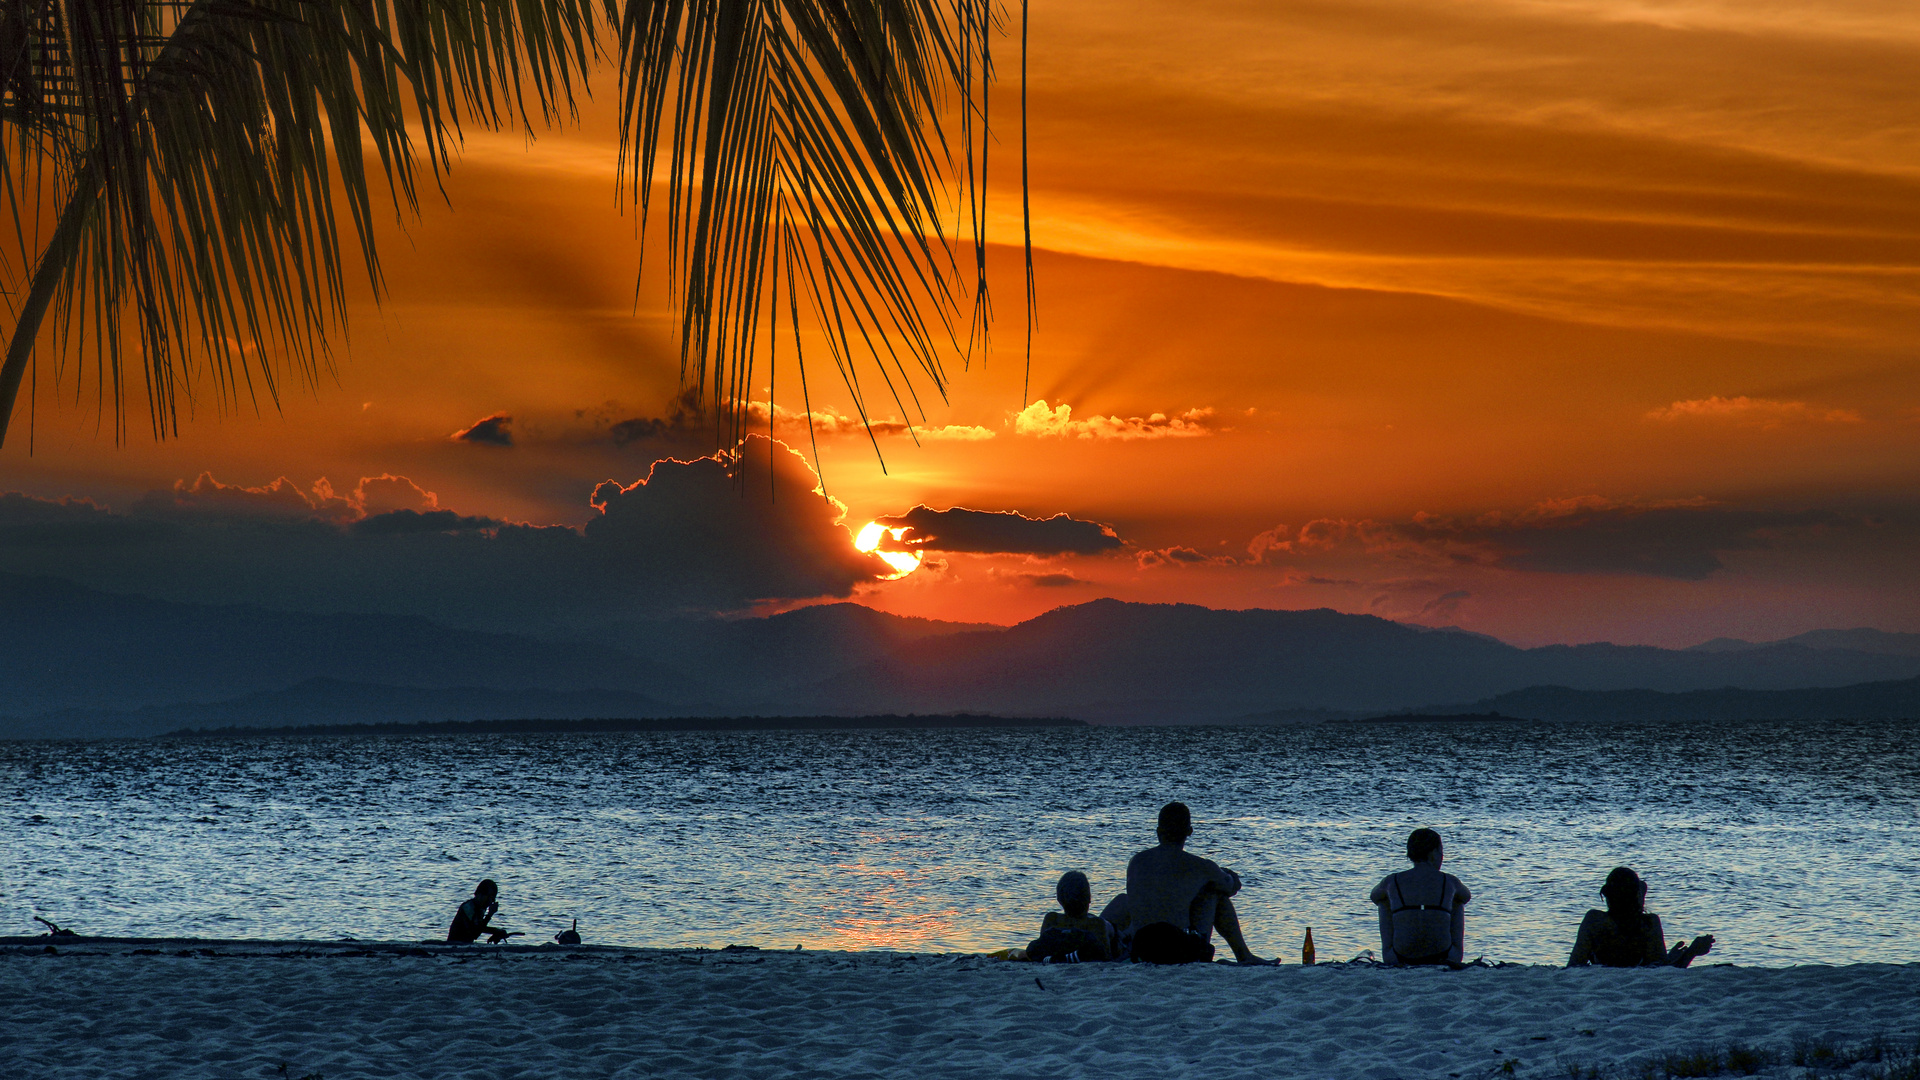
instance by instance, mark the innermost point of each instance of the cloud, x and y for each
(1764, 413)
(709, 534)
(403, 522)
(1001, 532)
(711, 528)
(685, 420)
(489, 431)
(1048, 580)
(1683, 540)
(1444, 606)
(1043, 421)
(208, 498)
(1181, 556)
(829, 424)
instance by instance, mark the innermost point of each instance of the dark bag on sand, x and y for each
(1067, 945)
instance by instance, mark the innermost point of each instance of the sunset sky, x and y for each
(1557, 320)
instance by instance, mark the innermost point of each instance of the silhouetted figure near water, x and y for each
(1423, 917)
(1073, 935)
(471, 920)
(1175, 901)
(1627, 934)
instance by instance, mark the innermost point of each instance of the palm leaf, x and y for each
(194, 159)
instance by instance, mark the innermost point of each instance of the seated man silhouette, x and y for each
(1422, 911)
(1175, 901)
(471, 920)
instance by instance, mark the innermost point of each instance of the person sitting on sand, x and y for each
(1627, 934)
(1175, 901)
(1073, 935)
(471, 920)
(1423, 917)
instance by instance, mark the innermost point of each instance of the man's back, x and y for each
(1163, 882)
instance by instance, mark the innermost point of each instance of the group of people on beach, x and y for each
(1176, 900)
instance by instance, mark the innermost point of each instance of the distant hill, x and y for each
(78, 662)
(67, 647)
(1899, 700)
(333, 702)
(774, 654)
(1123, 662)
(601, 726)
(1863, 639)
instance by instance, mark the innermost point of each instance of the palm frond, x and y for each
(811, 140)
(198, 153)
(196, 165)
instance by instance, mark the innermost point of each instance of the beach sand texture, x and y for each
(229, 1010)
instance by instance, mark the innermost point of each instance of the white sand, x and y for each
(227, 1010)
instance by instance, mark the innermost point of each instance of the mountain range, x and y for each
(74, 661)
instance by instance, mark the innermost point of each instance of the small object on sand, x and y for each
(569, 937)
(52, 930)
(1306, 949)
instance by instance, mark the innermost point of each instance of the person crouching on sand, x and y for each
(1627, 934)
(1175, 901)
(1423, 916)
(1072, 935)
(472, 919)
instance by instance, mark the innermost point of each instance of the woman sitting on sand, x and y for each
(1422, 911)
(1627, 934)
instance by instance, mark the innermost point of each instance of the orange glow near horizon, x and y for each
(1594, 320)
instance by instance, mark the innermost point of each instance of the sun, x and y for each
(903, 562)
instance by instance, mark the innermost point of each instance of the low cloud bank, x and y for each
(997, 532)
(713, 533)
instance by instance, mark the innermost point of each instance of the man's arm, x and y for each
(1217, 877)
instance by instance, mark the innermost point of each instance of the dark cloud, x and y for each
(1181, 556)
(997, 532)
(489, 431)
(401, 522)
(702, 535)
(684, 421)
(1591, 535)
(1053, 581)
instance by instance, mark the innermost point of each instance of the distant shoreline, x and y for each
(631, 725)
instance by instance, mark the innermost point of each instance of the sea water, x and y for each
(1791, 842)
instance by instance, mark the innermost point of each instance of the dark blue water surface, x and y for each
(1792, 842)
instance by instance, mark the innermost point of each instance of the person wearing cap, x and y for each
(1176, 900)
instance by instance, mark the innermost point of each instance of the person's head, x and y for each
(1626, 896)
(1074, 893)
(1423, 846)
(486, 891)
(1176, 823)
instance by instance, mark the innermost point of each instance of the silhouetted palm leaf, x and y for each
(186, 156)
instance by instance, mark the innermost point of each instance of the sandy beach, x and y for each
(218, 1010)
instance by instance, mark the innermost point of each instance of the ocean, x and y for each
(1791, 842)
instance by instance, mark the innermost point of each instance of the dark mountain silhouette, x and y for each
(1898, 700)
(65, 647)
(75, 661)
(774, 654)
(1863, 639)
(1116, 661)
(325, 702)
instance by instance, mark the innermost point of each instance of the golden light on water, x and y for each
(903, 562)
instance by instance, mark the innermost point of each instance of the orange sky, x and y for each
(1564, 321)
